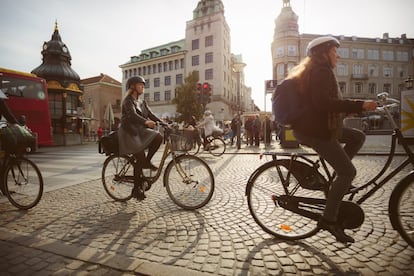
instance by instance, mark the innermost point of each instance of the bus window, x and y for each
(27, 95)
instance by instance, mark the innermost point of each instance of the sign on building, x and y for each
(270, 86)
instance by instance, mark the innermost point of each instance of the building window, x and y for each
(176, 64)
(342, 87)
(209, 41)
(372, 88)
(167, 80)
(144, 71)
(373, 54)
(209, 74)
(149, 69)
(165, 66)
(195, 44)
(357, 69)
(209, 57)
(156, 96)
(280, 69)
(170, 65)
(147, 97)
(387, 71)
(280, 51)
(373, 70)
(182, 63)
(195, 60)
(157, 82)
(179, 79)
(359, 87)
(387, 55)
(342, 69)
(167, 95)
(154, 68)
(343, 52)
(147, 83)
(159, 67)
(292, 50)
(358, 53)
(402, 56)
(387, 87)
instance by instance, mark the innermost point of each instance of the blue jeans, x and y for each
(339, 158)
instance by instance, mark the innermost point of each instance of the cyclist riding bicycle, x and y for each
(321, 125)
(209, 125)
(136, 132)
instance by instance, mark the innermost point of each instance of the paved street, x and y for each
(78, 229)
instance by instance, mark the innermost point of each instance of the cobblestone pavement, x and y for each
(79, 230)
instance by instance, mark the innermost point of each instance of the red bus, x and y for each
(27, 95)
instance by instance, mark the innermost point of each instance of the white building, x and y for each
(205, 49)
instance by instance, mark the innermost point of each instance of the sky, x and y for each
(103, 34)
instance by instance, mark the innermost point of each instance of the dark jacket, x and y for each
(6, 113)
(323, 100)
(133, 135)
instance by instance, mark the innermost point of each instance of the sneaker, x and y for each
(335, 230)
(138, 193)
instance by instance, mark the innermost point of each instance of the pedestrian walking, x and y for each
(235, 125)
(256, 130)
(267, 130)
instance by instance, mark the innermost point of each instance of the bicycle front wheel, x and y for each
(217, 146)
(267, 183)
(189, 182)
(401, 209)
(118, 177)
(192, 147)
(23, 183)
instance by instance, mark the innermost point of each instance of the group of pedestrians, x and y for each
(255, 130)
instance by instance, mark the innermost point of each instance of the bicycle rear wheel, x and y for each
(217, 146)
(269, 182)
(118, 177)
(401, 209)
(189, 182)
(23, 183)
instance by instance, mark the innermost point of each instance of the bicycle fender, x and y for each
(253, 175)
(402, 182)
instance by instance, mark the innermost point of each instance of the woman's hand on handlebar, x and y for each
(369, 105)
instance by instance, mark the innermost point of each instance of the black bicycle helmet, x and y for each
(321, 44)
(134, 80)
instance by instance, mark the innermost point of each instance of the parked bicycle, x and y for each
(188, 179)
(215, 144)
(22, 182)
(287, 196)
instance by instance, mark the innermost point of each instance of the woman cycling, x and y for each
(136, 132)
(321, 126)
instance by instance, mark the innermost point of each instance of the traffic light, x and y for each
(207, 92)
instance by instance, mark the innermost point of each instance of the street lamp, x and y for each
(409, 83)
(238, 68)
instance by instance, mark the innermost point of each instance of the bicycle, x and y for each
(215, 145)
(188, 179)
(287, 196)
(22, 181)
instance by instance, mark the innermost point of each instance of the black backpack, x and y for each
(287, 103)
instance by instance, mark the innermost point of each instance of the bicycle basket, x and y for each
(109, 144)
(181, 140)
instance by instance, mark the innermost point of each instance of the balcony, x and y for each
(359, 76)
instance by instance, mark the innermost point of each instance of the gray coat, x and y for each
(133, 135)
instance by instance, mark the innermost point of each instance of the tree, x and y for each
(186, 99)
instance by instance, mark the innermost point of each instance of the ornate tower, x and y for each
(64, 91)
(286, 42)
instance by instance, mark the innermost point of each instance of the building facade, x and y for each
(206, 49)
(367, 66)
(99, 92)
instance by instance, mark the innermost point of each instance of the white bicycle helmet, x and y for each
(320, 44)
